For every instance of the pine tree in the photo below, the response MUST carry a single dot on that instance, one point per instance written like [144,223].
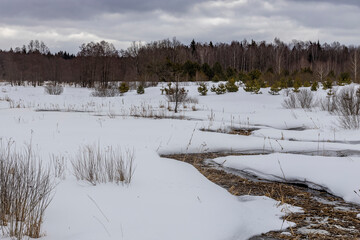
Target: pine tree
[140,89]
[257,87]
[328,83]
[231,86]
[221,89]
[314,86]
[202,89]
[275,88]
[249,86]
[297,85]
[124,87]
[344,78]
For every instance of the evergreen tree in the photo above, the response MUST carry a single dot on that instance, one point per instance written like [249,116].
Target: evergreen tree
[140,89]
[314,86]
[275,88]
[297,85]
[290,83]
[257,87]
[193,46]
[216,78]
[328,83]
[249,86]
[254,74]
[190,69]
[221,89]
[344,78]
[202,89]
[207,70]
[243,77]
[231,86]
[231,73]
[124,87]
[218,71]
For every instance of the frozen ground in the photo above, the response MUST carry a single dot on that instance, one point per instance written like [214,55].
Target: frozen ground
[169,199]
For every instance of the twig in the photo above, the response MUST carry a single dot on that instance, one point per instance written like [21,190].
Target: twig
[97,206]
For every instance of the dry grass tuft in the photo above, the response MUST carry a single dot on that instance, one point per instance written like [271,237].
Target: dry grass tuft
[25,192]
[96,165]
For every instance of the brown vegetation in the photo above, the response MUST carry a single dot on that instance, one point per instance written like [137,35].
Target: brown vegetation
[333,215]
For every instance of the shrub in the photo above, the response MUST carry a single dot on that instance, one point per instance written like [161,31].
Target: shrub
[25,192]
[96,165]
[175,94]
[290,102]
[101,91]
[202,89]
[53,89]
[140,89]
[193,100]
[348,107]
[213,88]
[304,99]
[328,104]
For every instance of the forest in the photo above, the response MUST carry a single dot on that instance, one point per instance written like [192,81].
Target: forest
[256,63]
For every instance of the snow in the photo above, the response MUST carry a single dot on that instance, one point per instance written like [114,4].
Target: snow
[337,175]
[169,199]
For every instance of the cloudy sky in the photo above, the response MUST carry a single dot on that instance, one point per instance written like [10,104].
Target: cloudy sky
[65,24]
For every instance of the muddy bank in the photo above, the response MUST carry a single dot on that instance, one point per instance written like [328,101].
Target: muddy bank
[324,217]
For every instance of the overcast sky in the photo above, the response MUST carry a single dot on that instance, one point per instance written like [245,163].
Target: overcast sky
[65,24]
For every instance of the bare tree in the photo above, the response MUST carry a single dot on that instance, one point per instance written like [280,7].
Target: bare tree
[354,64]
[279,49]
[321,71]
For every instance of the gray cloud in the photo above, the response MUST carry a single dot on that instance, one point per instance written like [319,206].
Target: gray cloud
[85,9]
[66,24]
[336,2]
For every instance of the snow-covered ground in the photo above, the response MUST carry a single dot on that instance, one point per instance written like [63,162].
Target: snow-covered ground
[169,199]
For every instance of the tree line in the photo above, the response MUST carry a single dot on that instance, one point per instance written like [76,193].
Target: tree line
[171,60]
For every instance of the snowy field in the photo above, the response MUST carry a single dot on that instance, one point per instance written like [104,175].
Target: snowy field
[168,199]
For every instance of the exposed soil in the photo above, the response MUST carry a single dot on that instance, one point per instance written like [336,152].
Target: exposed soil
[324,216]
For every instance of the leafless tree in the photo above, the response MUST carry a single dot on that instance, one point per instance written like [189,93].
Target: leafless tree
[321,70]
[354,64]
